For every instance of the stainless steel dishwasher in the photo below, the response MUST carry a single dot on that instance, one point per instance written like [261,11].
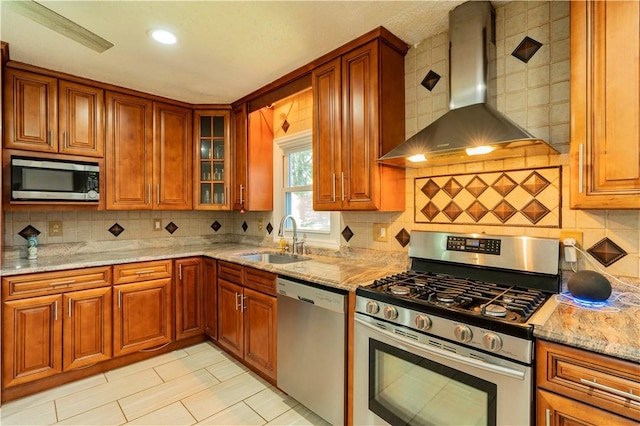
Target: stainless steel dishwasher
[311,347]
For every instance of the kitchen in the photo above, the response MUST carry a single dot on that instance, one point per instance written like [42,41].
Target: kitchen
[535,95]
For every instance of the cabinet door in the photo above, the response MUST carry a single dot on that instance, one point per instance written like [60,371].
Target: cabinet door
[557,410]
[327,134]
[86,327]
[32,339]
[209,274]
[189,298]
[605,105]
[81,126]
[30,111]
[360,128]
[230,327]
[172,158]
[142,315]
[240,121]
[128,152]
[260,328]
[211,160]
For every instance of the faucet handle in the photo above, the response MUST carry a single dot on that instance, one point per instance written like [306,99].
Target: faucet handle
[300,248]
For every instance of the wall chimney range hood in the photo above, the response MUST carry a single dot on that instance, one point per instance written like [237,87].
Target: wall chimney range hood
[472,130]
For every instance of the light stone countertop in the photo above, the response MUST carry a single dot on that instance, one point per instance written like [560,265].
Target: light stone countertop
[343,273]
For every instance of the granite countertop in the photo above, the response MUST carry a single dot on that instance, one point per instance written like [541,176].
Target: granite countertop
[338,272]
[612,330]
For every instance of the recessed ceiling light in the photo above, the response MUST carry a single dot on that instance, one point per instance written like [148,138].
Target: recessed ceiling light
[163,36]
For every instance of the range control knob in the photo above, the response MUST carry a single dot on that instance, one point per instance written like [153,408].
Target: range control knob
[423,322]
[463,333]
[372,307]
[492,342]
[390,313]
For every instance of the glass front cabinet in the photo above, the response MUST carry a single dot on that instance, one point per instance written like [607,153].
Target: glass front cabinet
[212,159]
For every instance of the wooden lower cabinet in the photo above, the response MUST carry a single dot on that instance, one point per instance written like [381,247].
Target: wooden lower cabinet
[558,410]
[230,323]
[189,297]
[32,339]
[141,315]
[259,318]
[210,288]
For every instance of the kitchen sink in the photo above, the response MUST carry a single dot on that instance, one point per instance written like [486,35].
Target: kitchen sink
[276,258]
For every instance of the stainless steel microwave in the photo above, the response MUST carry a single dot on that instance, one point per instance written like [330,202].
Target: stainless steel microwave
[38,179]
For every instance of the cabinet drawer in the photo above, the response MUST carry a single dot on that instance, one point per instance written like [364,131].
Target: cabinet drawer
[141,271]
[258,280]
[230,271]
[605,382]
[21,286]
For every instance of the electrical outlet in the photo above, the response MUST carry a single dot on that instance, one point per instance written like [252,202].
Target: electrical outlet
[157,224]
[381,232]
[55,228]
[576,235]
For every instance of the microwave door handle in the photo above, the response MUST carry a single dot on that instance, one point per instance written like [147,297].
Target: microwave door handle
[505,371]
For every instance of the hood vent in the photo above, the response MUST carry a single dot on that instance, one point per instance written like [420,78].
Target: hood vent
[471,127]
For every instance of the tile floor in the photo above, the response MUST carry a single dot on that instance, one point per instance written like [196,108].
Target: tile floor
[195,385]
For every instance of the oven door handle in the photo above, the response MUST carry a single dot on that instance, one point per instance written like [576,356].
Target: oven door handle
[402,341]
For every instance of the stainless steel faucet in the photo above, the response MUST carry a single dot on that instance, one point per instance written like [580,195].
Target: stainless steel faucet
[295,231]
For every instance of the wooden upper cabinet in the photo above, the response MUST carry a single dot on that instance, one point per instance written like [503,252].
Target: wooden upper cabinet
[253,159]
[81,126]
[358,117]
[129,149]
[212,159]
[605,105]
[172,158]
[45,114]
[30,111]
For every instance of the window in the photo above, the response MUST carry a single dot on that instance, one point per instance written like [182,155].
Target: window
[294,177]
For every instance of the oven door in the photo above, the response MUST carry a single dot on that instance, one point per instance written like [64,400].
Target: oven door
[401,377]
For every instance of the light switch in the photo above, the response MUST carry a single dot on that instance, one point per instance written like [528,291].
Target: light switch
[157,224]
[380,231]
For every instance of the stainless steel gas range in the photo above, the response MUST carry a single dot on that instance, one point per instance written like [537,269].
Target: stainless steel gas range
[450,341]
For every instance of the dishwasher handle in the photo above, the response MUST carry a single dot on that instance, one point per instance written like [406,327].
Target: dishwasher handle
[304,299]
[312,295]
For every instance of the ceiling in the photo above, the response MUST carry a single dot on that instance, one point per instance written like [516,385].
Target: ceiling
[225,49]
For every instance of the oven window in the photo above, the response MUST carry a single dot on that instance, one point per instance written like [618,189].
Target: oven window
[406,389]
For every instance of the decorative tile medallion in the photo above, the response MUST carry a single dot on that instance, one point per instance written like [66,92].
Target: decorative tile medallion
[244,226]
[347,233]
[606,252]
[116,229]
[269,228]
[285,126]
[29,231]
[216,226]
[430,80]
[526,197]
[403,237]
[171,227]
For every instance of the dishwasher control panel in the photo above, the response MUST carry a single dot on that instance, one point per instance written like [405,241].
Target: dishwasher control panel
[326,299]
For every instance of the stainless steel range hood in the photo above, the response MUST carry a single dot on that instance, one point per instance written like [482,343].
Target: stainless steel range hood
[471,123]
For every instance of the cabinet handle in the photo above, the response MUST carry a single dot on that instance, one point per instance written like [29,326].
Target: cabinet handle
[64,139]
[69,307]
[580,165]
[225,194]
[241,195]
[63,283]
[242,305]
[334,188]
[180,271]
[119,299]
[547,417]
[149,193]
[50,137]
[236,301]
[55,310]
[158,193]
[605,388]
[342,186]
[150,271]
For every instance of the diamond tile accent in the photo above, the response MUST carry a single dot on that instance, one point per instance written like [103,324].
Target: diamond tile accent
[216,226]
[269,228]
[503,211]
[285,126]
[29,231]
[171,227]
[606,252]
[430,210]
[116,229]
[534,184]
[534,211]
[244,226]
[430,189]
[452,211]
[504,185]
[430,80]
[452,187]
[403,237]
[526,49]
[476,187]
[477,210]
[347,233]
